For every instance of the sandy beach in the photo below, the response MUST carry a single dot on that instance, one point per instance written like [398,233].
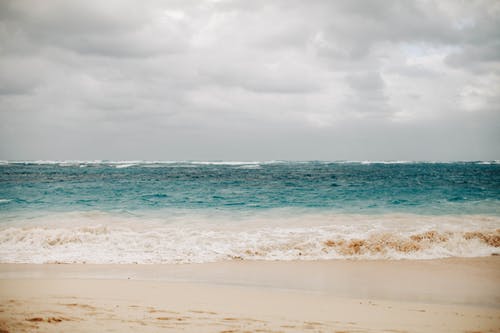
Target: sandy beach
[447,295]
[232,166]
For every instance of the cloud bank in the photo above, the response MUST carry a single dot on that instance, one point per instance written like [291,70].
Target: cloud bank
[250,80]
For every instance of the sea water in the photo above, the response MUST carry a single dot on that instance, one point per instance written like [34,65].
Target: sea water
[181,212]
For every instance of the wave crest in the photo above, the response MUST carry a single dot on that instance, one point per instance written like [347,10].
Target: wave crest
[386,242]
[171,244]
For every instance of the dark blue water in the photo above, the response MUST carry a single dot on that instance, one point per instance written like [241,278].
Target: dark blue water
[371,188]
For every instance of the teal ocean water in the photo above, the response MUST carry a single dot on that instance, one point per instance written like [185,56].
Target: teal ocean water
[164,212]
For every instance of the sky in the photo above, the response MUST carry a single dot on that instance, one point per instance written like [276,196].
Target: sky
[250,80]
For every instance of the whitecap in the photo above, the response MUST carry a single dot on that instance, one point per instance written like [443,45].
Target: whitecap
[97,237]
[224,163]
[122,166]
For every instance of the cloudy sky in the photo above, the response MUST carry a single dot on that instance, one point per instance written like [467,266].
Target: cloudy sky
[250,80]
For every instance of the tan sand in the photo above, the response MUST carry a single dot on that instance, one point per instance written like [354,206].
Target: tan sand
[452,295]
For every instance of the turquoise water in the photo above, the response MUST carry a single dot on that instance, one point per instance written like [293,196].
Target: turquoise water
[422,188]
[183,212]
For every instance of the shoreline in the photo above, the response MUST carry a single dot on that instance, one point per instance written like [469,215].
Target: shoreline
[441,295]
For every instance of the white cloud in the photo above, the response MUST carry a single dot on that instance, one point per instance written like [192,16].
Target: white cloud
[278,79]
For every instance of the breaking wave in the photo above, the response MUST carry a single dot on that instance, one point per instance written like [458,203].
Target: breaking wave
[100,238]
[147,163]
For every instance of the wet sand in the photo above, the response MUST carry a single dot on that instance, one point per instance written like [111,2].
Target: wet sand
[449,295]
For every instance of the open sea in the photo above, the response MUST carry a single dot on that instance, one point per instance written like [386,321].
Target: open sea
[183,212]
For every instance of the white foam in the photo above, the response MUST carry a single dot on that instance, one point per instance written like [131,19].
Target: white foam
[229,163]
[383,162]
[122,166]
[96,237]
[489,162]
[224,163]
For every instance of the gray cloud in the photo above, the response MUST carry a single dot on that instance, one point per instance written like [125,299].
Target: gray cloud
[368,81]
[249,80]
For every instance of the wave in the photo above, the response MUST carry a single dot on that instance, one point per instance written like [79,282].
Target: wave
[227,163]
[495,162]
[102,238]
[223,162]
[387,162]
[126,163]
[121,166]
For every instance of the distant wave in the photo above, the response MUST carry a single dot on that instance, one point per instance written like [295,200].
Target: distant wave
[223,162]
[488,162]
[387,162]
[101,238]
[131,162]
[121,166]
[125,163]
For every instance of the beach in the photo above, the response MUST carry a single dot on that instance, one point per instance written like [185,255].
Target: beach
[441,295]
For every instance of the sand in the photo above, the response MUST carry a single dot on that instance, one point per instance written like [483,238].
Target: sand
[448,295]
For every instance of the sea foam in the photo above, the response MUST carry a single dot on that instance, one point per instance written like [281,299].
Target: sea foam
[104,238]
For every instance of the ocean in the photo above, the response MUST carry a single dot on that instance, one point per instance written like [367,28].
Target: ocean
[191,212]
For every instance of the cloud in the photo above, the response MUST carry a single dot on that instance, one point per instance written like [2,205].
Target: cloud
[97,28]
[278,79]
[18,77]
[483,59]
